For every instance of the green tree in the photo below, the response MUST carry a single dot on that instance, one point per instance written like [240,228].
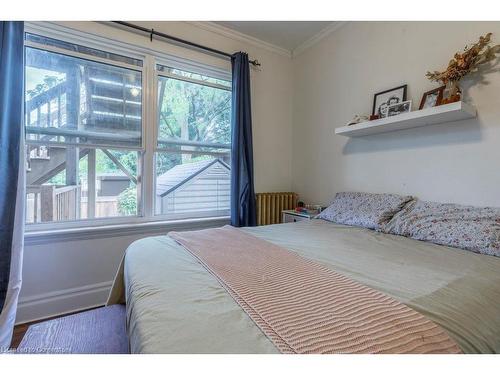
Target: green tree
[48,82]
[194,112]
[127,158]
[127,201]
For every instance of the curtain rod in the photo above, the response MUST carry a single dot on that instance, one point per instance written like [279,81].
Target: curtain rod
[152,32]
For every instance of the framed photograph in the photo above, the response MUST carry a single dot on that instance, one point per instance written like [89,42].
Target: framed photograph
[432,98]
[382,100]
[399,108]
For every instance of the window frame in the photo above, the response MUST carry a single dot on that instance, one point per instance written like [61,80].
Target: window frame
[147,162]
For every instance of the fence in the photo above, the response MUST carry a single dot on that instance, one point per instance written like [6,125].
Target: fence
[46,203]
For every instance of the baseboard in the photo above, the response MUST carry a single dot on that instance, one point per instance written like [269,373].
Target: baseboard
[60,302]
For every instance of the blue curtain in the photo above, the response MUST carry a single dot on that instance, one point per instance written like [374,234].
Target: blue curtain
[11,120]
[243,210]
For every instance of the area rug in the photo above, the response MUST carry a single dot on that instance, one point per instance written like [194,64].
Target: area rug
[98,331]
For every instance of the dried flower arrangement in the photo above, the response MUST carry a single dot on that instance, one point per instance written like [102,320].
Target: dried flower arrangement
[463,64]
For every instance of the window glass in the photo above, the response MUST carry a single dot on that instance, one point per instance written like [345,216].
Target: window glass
[72,100]
[193,114]
[83,124]
[195,76]
[192,185]
[194,143]
[71,183]
[81,49]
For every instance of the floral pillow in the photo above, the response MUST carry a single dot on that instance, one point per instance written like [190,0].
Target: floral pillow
[471,228]
[366,210]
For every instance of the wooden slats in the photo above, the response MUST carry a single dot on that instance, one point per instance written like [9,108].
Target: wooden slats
[271,205]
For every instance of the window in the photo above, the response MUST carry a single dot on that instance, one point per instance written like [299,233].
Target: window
[83,132]
[193,145]
[85,142]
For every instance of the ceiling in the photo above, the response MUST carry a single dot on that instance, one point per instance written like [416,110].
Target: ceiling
[285,34]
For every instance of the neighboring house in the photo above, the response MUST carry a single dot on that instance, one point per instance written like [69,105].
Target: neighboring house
[192,187]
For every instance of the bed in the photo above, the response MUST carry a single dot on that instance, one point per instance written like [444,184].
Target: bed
[174,305]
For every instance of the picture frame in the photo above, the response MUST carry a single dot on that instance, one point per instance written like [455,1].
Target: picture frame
[383,99]
[432,98]
[399,108]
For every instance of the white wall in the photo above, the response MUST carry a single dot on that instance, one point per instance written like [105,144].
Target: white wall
[70,273]
[336,79]
[65,273]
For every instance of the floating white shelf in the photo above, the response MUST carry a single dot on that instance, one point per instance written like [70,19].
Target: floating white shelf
[429,116]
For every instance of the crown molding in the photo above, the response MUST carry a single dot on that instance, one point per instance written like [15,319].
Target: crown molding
[318,37]
[236,35]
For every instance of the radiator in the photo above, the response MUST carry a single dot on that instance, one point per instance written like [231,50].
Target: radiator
[270,206]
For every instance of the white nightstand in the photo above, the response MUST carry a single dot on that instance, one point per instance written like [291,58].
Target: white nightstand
[292,216]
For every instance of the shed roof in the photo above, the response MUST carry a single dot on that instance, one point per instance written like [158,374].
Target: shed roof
[182,173]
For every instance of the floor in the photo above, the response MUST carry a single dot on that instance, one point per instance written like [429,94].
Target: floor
[20,329]
[19,332]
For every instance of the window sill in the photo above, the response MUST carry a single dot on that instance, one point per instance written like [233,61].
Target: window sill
[115,230]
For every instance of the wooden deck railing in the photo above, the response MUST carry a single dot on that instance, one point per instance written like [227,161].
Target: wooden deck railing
[52,203]
[53,114]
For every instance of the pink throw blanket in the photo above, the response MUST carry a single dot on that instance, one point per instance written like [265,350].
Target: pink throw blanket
[304,307]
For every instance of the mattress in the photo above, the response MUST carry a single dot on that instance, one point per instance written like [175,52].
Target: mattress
[175,306]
